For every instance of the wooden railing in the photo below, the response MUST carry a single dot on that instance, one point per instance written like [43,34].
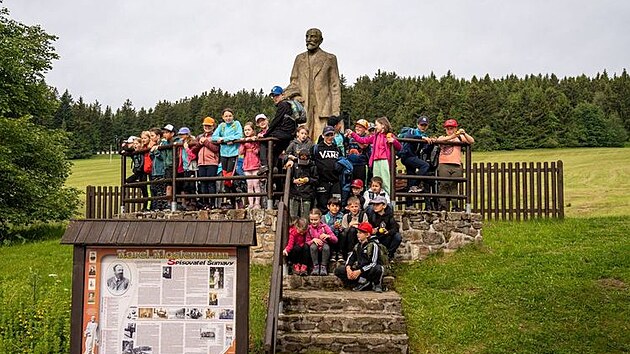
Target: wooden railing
[506,191]
[518,191]
[275,289]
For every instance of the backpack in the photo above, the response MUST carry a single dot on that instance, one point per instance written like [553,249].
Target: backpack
[344,167]
[383,253]
[431,154]
[299,113]
[407,147]
[348,217]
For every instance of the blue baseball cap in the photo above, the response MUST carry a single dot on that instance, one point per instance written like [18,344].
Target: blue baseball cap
[276,90]
[183,130]
[423,120]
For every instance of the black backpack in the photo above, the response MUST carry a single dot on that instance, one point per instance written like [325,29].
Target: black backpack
[431,154]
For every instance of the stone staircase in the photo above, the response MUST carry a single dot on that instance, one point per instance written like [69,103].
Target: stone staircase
[319,316]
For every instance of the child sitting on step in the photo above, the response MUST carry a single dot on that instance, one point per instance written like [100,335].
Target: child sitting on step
[362,269]
[348,235]
[319,237]
[333,219]
[297,249]
[376,190]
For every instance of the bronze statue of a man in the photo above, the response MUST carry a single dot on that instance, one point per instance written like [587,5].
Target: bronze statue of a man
[315,82]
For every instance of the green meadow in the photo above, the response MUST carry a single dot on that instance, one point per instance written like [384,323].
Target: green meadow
[550,286]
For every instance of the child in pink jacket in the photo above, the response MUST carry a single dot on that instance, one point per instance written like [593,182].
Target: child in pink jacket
[297,249]
[318,237]
[382,142]
[251,163]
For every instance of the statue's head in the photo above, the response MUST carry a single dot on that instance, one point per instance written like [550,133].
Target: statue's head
[313,39]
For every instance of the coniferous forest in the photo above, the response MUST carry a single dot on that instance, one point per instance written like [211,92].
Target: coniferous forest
[505,113]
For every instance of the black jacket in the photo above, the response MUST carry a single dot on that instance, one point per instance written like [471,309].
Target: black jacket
[364,256]
[305,191]
[386,221]
[282,126]
[325,158]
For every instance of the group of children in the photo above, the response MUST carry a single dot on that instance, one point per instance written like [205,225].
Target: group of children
[229,148]
[212,153]
[336,236]
[328,225]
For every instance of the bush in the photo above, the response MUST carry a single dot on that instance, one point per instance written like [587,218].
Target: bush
[33,171]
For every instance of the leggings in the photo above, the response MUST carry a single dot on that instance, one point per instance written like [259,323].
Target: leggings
[253,186]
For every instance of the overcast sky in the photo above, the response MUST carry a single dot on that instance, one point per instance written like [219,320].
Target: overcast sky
[152,50]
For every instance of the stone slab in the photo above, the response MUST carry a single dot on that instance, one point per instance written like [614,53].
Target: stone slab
[343,343]
[372,322]
[347,301]
[327,282]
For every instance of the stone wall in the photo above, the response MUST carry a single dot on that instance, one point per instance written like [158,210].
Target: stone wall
[423,232]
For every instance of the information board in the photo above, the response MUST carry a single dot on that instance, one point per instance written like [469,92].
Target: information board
[159,300]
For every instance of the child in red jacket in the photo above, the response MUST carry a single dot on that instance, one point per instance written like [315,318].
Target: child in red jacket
[297,249]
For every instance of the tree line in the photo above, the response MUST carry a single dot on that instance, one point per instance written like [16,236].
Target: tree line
[508,113]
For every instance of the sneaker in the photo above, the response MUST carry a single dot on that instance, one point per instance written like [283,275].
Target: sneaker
[362,286]
[377,288]
[303,270]
[296,269]
[315,270]
[263,170]
[415,189]
[323,270]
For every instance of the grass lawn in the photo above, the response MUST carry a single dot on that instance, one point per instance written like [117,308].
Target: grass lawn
[100,170]
[532,287]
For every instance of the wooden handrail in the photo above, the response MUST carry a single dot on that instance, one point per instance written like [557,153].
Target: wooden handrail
[275,289]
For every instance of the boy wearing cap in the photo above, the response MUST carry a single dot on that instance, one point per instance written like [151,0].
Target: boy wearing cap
[381,217]
[410,153]
[325,155]
[362,269]
[282,127]
[357,191]
[339,139]
[451,159]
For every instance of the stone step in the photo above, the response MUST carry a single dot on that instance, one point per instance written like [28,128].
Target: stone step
[318,301]
[326,282]
[342,323]
[359,342]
